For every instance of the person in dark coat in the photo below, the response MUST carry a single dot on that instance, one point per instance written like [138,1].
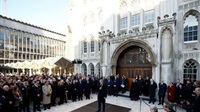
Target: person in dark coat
[123,84]
[80,90]
[102,94]
[140,84]
[152,91]
[7,100]
[93,84]
[1,93]
[110,86]
[68,89]
[162,91]
[26,94]
[36,96]
[177,90]
[180,92]
[116,86]
[53,94]
[146,86]
[188,89]
[134,90]
[74,88]
[87,88]
[196,105]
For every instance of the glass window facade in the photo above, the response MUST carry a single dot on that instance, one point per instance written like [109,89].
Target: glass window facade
[18,46]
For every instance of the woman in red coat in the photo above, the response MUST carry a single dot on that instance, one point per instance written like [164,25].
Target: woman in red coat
[171,92]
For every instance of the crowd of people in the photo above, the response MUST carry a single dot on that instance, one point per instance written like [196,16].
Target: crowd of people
[18,92]
[184,95]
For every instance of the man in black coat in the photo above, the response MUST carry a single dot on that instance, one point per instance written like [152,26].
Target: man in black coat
[146,86]
[196,106]
[36,96]
[1,93]
[116,84]
[26,93]
[7,100]
[162,91]
[102,94]
[152,91]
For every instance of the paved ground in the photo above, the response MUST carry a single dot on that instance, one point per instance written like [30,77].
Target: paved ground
[121,101]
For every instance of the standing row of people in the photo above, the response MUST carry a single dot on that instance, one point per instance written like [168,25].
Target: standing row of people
[180,93]
[18,92]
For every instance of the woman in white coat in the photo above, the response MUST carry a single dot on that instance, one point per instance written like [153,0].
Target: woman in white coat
[46,89]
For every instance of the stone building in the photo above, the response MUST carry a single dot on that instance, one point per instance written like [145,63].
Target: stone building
[154,38]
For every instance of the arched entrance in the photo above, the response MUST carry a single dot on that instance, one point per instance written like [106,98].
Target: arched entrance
[133,57]
[132,62]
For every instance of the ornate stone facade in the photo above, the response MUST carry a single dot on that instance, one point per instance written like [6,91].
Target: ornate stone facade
[162,28]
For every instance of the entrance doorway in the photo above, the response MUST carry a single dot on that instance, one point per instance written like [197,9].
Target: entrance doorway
[132,62]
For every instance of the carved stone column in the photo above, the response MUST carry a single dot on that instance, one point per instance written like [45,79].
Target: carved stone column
[167,26]
[105,52]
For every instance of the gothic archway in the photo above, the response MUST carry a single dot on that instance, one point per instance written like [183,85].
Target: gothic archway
[133,57]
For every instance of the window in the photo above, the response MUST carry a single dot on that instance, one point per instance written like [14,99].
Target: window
[149,16]
[92,68]
[98,69]
[190,70]
[135,20]
[190,28]
[1,41]
[84,69]
[99,46]
[92,46]
[123,23]
[1,36]
[84,47]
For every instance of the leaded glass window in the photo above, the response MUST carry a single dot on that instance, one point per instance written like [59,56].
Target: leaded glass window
[190,28]
[190,70]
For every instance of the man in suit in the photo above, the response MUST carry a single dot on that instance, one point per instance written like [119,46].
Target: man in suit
[152,91]
[162,91]
[102,94]
[196,106]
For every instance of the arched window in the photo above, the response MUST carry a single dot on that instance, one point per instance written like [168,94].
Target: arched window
[91,68]
[191,27]
[98,69]
[84,47]
[84,69]
[190,70]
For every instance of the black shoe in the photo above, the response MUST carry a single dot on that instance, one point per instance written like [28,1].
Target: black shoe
[149,102]
[159,103]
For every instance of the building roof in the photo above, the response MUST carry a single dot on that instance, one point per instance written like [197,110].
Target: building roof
[31,25]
